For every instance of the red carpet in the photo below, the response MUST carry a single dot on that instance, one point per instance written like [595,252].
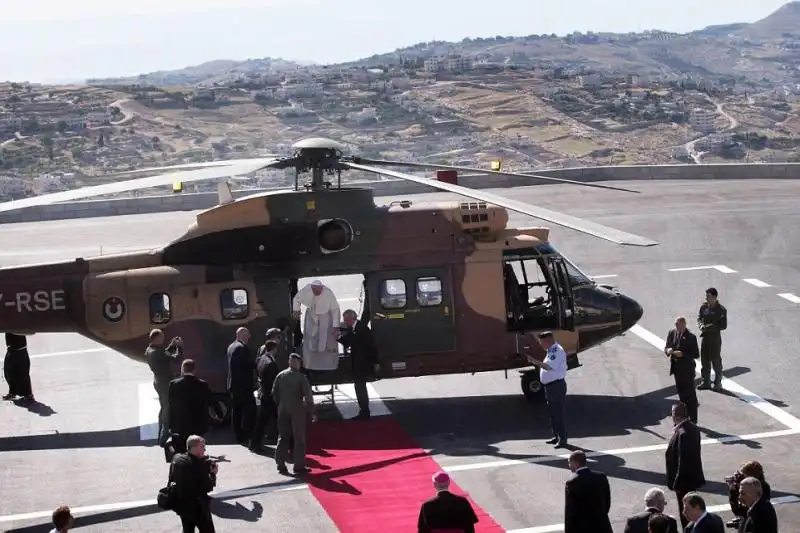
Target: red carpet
[371,476]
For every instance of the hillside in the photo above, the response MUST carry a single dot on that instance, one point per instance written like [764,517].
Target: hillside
[783,22]
[532,102]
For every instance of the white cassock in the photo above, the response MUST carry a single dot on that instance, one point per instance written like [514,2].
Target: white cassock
[320,347]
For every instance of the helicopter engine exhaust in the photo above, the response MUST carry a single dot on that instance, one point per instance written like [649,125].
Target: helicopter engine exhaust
[334,235]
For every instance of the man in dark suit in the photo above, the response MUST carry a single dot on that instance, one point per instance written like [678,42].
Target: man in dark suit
[363,356]
[267,366]
[694,509]
[761,517]
[684,458]
[682,350]
[190,398]
[588,498]
[242,386]
[654,504]
[446,511]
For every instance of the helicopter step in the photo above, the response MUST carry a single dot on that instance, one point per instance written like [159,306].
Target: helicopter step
[532,387]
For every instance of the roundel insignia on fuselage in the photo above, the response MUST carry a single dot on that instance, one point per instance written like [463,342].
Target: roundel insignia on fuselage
[113,309]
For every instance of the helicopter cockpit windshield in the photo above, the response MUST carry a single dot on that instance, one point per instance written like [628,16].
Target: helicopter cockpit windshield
[538,288]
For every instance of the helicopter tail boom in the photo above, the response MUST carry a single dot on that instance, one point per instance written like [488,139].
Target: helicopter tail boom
[40,302]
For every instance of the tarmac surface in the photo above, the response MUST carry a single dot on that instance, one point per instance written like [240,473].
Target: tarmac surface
[88,440]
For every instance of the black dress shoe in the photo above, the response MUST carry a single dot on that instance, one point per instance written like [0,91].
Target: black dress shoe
[9,396]
[361,416]
[734,524]
[283,470]
[552,441]
[301,470]
[561,444]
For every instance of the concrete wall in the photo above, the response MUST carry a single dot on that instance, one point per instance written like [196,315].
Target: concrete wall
[194,201]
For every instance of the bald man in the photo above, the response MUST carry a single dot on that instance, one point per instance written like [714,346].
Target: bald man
[241,386]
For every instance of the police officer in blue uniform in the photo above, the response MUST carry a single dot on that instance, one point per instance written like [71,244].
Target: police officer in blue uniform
[712,320]
[553,374]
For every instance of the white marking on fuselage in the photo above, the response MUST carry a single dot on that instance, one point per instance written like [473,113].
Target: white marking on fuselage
[756,283]
[725,507]
[773,411]
[719,268]
[789,297]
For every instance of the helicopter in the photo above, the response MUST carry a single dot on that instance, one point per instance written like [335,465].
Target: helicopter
[434,274]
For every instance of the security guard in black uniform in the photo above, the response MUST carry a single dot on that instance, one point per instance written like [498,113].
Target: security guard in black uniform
[712,320]
[681,348]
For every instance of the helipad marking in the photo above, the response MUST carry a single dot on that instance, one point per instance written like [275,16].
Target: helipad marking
[148,412]
[719,268]
[553,528]
[742,393]
[788,296]
[70,352]
[110,507]
[288,487]
[731,439]
[346,403]
[756,283]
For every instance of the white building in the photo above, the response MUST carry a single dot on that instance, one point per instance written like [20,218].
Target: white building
[591,81]
[433,64]
[366,113]
[297,90]
[11,186]
[702,120]
[10,123]
[458,64]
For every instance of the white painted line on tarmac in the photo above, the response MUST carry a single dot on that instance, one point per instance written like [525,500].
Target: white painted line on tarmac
[773,411]
[731,439]
[347,404]
[719,268]
[148,412]
[70,352]
[604,276]
[242,493]
[788,296]
[553,528]
[756,283]
[111,507]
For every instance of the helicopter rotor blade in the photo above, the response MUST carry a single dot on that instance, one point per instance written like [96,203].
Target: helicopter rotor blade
[196,166]
[140,183]
[431,166]
[561,219]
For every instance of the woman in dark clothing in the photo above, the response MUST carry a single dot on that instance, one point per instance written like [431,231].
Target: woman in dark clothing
[748,469]
[17,368]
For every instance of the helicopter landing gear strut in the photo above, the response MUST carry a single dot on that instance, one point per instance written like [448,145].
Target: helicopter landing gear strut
[532,388]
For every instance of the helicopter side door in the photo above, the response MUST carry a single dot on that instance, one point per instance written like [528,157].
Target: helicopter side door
[565,300]
[412,311]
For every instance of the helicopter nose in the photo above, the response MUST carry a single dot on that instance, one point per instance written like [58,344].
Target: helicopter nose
[630,311]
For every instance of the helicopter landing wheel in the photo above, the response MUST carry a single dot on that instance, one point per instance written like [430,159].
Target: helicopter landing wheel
[532,388]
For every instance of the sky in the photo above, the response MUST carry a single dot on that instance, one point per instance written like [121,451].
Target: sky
[52,41]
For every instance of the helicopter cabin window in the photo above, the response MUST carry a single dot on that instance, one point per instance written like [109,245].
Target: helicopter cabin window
[528,287]
[576,277]
[234,304]
[160,309]
[429,291]
[393,294]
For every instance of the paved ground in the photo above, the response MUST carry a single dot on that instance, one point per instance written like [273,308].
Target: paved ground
[87,443]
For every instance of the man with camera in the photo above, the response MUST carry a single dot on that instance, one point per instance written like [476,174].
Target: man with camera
[681,349]
[161,360]
[748,469]
[194,475]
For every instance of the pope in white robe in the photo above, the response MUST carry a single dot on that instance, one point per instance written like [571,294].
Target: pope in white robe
[322,317]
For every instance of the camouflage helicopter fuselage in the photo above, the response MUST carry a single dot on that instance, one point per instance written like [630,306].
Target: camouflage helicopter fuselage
[235,267]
